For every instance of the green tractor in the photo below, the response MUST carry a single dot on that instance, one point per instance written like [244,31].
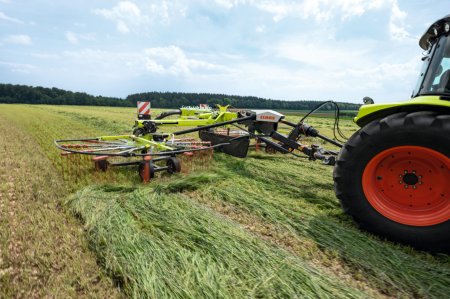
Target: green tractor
[393,175]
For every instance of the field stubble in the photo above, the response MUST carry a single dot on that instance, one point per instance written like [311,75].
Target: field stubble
[43,251]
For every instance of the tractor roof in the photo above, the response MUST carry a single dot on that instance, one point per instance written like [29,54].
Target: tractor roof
[430,35]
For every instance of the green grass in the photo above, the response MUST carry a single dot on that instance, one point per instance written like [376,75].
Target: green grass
[43,253]
[299,199]
[166,246]
[268,226]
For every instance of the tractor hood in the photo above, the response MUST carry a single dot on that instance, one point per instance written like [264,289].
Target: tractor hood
[370,112]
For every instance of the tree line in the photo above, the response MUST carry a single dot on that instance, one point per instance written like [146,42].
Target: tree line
[54,96]
[10,93]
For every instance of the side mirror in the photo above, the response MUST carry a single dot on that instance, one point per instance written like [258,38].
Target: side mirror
[368,101]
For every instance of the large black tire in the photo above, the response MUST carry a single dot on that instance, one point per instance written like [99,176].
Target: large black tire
[424,131]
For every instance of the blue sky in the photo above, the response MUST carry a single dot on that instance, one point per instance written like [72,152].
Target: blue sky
[289,50]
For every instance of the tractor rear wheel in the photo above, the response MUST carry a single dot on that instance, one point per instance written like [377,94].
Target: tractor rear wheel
[393,178]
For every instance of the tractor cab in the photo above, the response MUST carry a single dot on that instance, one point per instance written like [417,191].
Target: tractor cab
[432,91]
[435,75]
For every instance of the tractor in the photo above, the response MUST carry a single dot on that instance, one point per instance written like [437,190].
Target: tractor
[393,175]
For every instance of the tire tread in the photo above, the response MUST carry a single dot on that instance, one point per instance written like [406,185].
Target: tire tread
[433,238]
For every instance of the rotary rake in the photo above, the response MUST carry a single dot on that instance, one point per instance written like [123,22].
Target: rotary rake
[127,150]
[221,129]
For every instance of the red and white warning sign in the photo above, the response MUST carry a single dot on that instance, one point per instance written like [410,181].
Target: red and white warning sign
[143,108]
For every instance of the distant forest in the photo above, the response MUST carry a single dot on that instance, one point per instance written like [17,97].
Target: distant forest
[54,96]
[40,95]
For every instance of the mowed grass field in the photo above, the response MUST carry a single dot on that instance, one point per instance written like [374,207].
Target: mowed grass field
[268,226]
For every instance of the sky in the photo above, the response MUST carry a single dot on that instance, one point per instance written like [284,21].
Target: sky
[285,50]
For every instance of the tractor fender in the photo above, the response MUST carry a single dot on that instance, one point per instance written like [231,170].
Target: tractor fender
[370,112]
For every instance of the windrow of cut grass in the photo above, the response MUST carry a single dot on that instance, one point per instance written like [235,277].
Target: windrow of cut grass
[166,246]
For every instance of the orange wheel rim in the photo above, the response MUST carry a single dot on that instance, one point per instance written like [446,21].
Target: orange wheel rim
[409,185]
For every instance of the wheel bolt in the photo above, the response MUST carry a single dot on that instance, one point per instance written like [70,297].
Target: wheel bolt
[413,171]
[400,182]
[420,176]
[414,187]
[420,183]
[406,186]
[406,171]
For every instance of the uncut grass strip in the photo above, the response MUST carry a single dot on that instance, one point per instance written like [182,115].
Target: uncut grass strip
[165,246]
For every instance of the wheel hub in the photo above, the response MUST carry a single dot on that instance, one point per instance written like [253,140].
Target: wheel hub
[410,178]
[409,185]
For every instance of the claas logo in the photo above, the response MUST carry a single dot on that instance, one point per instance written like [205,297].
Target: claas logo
[268,117]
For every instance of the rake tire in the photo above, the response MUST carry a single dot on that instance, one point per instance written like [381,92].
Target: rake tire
[151,170]
[173,165]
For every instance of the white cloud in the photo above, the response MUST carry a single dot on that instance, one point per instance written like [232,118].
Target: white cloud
[122,27]
[105,64]
[285,49]
[327,55]
[397,27]
[18,67]
[172,60]
[45,56]
[353,82]
[92,55]
[129,16]
[279,10]
[124,14]
[20,39]
[5,17]
[230,3]
[74,38]
[71,37]
[319,10]
[386,71]
[260,28]
[311,68]
[326,10]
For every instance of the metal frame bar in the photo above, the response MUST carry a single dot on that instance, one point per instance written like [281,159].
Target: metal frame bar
[128,154]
